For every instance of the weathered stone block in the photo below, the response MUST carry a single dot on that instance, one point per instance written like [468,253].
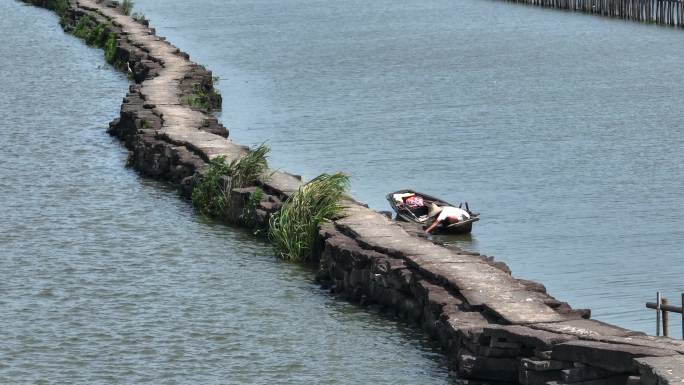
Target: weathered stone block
[531,377]
[486,368]
[543,365]
[617,380]
[661,370]
[502,344]
[542,354]
[488,351]
[438,300]
[613,357]
[538,339]
[584,373]
[584,329]
[400,278]
[484,382]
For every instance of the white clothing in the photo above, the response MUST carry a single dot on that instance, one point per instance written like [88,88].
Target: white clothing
[453,212]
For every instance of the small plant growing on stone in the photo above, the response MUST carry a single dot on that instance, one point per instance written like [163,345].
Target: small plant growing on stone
[146,125]
[97,36]
[212,195]
[202,99]
[110,48]
[246,170]
[82,28]
[294,228]
[209,195]
[139,17]
[249,212]
[127,7]
[59,6]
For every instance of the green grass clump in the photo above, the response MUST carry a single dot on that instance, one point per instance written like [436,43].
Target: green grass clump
[110,48]
[249,211]
[127,7]
[294,228]
[82,28]
[59,6]
[97,36]
[209,196]
[202,99]
[212,195]
[246,170]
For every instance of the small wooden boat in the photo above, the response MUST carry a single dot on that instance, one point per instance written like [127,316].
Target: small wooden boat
[413,206]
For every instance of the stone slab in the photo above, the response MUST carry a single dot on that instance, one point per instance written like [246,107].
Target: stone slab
[584,373]
[486,368]
[598,331]
[543,365]
[283,182]
[465,319]
[616,380]
[618,358]
[584,329]
[531,377]
[648,341]
[538,339]
[661,370]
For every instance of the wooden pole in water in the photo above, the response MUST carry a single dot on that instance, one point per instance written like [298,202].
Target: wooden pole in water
[666,319]
[683,316]
[658,299]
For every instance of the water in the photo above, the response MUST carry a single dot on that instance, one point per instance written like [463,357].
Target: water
[562,129]
[106,277]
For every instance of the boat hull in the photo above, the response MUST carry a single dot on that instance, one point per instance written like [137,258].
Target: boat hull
[419,215]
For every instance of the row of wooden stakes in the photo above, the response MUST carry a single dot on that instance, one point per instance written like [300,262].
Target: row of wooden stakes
[663,12]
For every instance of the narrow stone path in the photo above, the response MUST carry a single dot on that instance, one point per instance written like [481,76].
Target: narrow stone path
[180,123]
[481,284]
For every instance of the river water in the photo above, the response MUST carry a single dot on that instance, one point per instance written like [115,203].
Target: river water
[106,277]
[562,129]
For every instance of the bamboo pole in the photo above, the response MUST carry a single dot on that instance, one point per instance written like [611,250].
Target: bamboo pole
[658,303]
[666,319]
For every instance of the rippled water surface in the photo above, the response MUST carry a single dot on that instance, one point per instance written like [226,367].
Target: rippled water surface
[563,130]
[109,278]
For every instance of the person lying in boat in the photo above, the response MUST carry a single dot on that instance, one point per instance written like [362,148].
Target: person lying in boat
[446,216]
